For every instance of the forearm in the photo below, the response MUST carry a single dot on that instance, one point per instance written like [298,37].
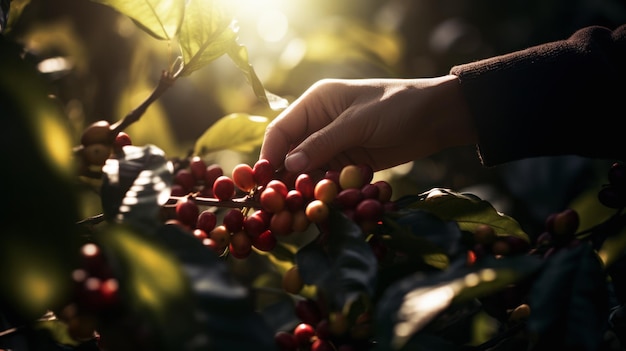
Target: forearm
[564,97]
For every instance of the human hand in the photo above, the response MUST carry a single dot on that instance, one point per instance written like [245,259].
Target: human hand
[379,122]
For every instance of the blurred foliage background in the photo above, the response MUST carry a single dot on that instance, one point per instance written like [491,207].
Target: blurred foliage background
[103,66]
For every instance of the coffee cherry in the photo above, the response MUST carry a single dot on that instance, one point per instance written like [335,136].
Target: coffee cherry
[349,198]
[212,172]
[367,172]
[325,190]
[281,222]
[96,154]
[611,197]
[566,222]
[256,223]
[187,212]
[292,282]
[305,185]
[221,235]
[272,200]
[263,172]
[265,241]
[351,177]
[332,175]
[520,312]
[385,191]
[197,168]
[243,177]
[279,186]
[185,179]
[200,234]
[240,245]
[206,220]
[484,234]
[300,222]
[370,191]
[121,139]
[317,211]
[294,201]
[233,220]
[304,333]
[223,188]
[369,210]
[322,345]
[98,132]
[178,190]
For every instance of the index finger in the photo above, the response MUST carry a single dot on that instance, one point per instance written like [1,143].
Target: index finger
[303,117]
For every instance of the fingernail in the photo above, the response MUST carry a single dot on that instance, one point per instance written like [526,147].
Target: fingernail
[296,162]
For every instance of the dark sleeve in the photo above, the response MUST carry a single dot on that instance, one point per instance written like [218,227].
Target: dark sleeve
[563,97]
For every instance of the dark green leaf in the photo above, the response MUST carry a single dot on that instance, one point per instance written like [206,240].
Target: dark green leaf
[154,286]
[467,210]
[412,303]
[10,12]
[418,232]
[224,306]
[569,300]
[343,267]
[39,241]
[159,18]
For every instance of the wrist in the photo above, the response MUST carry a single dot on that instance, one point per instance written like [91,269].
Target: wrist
[458,127]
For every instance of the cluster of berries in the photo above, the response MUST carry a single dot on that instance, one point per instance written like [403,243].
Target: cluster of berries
[264,207]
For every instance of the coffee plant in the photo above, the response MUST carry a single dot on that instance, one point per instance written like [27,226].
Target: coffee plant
[186,256]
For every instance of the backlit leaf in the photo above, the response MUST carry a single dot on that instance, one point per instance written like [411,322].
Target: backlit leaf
[412,303]
[237,131]
[159,18]
[208,32]
[468,211]
[239,55]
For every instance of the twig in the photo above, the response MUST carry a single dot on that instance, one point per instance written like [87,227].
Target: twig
[166,81]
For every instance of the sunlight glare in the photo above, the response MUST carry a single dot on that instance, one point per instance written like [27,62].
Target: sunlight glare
[271,21]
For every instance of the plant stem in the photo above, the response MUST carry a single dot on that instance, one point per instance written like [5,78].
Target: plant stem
[166,81]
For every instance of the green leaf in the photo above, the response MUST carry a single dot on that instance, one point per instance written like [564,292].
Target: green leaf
[239,55]
[208,32]
[159,18]
[468,211]
[225,308]
[570,301]
[39,240]
[153,286]
[342,266]
[613,248]
[412,303]
[237,131]
[10,15]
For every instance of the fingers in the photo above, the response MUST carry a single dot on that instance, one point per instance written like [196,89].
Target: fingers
[305,116]
[322,146]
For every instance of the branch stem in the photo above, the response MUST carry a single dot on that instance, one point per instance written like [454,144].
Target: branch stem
[166,81]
